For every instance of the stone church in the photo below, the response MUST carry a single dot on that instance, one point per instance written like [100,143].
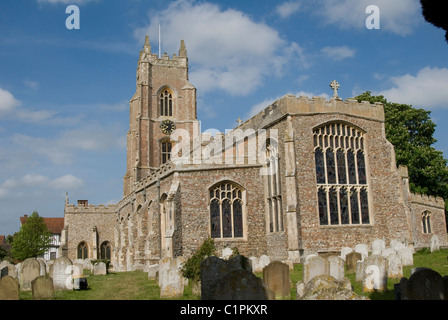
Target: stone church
[305,175]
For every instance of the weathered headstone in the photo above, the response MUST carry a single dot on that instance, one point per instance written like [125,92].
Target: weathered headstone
[171,281]
[374,273]
[325,287]
[378,245]
[43,288]
[424,284]
[396,244]
[387,252]
[336,267]
[407,256]
[435,243]
[239,285]
[394,267]
[313,267]
[99,268]
[363,249]
[43,266]
[259,263]
[276,278]
[80,282]
[61,272]
[226,253]
[30,270]
[9,288]
[214,268]
[345,251]
[351,260]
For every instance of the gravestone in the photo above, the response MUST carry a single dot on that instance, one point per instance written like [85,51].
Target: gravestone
[378,245]
[394,267]
[336,267]
[259,263]
[387,252]
[80,282]
[43,288]
[276,278]
[29,270]
[374,273]
[424,284]
[239,285]
[4,272]
[214,268]
[9,288]
[351,260]
[61,272]
[314,267]
[363,249]
[325,287]
[99,268]
[171,281]
[226,253]
[435,243]
[407,256]
[345,251]
[396,244]
[43,266]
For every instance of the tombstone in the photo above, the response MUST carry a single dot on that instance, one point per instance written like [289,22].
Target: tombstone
[325,287]
[171,281]
[259,263]
[374,273]
[29,270]
[351,260]
[378,245]
[80,282]
[336,267]
[407,256]
[43,266]
[363,249]
[9,288]
[394,267]
[276,278]
[239,285]
[345,251]
[153,271]
[227,253]
[43,288]
[435,243]
[387,252]
[99,268]
[396,244]
[424,284]
[313,267]
[214,268]
[61,272]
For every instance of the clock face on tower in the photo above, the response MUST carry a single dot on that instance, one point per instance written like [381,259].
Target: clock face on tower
[167,126]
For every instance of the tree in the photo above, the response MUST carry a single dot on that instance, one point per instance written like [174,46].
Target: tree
[32,240]
[411,132]
[434,12]
[191,269]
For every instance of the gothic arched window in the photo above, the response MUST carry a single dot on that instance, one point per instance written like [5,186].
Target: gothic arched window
[83,251]
[105,250]
[274,195]
[166,147]
[340,163]
[426,222]
[166,103]
[226,211]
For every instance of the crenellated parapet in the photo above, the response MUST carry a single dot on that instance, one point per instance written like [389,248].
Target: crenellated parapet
[427,200]
[89,208]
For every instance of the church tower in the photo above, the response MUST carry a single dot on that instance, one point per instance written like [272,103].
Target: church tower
[164,101]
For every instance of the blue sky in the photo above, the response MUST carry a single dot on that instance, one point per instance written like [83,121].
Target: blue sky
[64,93]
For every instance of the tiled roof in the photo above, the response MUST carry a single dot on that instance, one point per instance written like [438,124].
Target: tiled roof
[54,225]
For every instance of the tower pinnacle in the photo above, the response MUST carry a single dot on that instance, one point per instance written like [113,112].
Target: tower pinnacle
[183,49]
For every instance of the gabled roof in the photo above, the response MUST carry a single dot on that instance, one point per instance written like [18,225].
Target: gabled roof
[54,225]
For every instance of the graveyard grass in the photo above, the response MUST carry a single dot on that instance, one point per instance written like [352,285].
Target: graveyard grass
[136,286]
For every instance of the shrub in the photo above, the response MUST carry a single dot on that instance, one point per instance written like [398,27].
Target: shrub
[191,269]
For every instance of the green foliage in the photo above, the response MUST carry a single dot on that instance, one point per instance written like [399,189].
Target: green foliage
[191,269]
[32,240]
[411,132]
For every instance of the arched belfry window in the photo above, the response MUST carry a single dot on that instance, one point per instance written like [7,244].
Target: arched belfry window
[166,147]
[226,211]
[166,103]
[341,178]
[83,251]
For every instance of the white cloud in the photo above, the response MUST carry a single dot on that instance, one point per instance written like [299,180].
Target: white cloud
[29,180]
[398,16]
[65,1]
[288,8]
[31,84]
[227,49]
[7,101]
[338,53]
[66,182]
[428,88]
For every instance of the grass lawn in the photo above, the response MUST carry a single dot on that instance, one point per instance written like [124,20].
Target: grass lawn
[136,286]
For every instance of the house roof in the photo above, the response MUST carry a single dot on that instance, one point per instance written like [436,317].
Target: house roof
[2,239]
[54,225]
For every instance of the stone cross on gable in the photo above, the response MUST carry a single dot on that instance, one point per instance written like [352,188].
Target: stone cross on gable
[239,121]
[335,86]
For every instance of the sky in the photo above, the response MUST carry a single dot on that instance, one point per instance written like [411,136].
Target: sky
[66,77]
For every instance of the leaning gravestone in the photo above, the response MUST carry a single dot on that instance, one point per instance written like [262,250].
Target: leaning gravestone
[62,270]
[239,285]
[30,270]
[43,288]
[424,284]
[214,268]
[276,277]
[336,267]
[9,288]
[351,260]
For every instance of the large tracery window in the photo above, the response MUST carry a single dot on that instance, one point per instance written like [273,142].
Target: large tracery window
[83,251]
[226,211]
[342,189]
[166,103]
[274,196]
